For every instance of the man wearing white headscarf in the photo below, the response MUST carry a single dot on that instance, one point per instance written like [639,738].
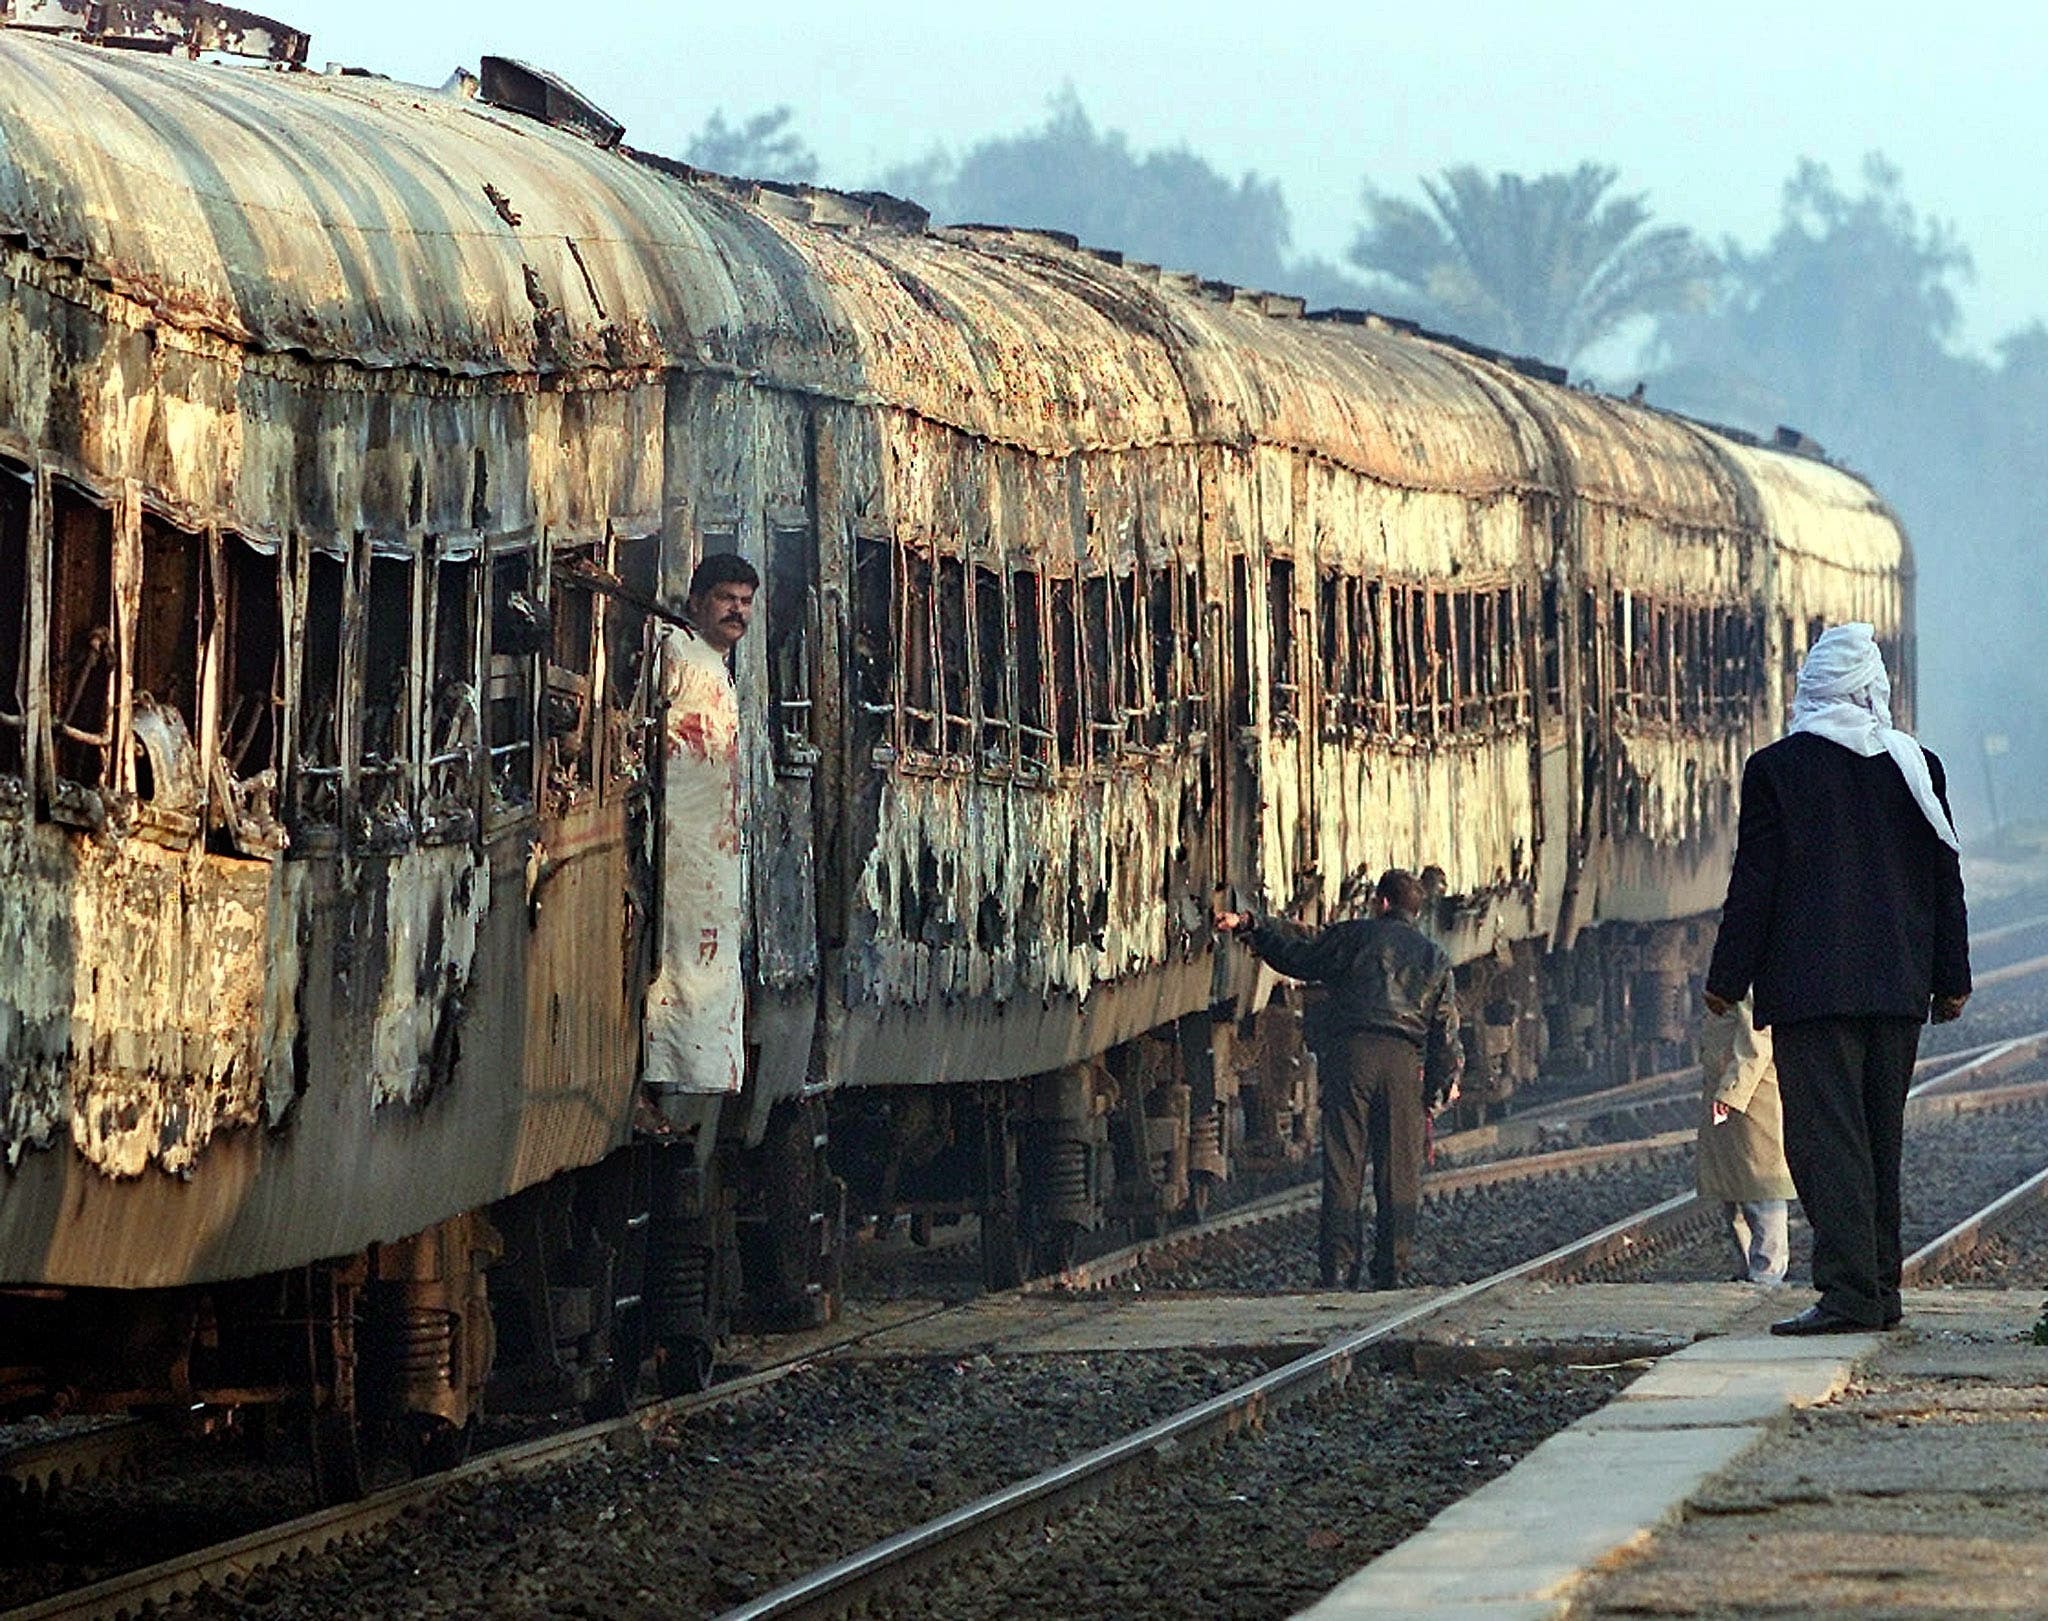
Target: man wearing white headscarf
[1845,919]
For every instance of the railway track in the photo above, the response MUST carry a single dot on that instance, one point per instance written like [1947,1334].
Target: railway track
[867,1577]
[1963,1081]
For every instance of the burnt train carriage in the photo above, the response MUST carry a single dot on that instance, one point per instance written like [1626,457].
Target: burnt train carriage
[346,429]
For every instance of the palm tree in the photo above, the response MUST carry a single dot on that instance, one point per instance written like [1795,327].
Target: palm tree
[1548,266]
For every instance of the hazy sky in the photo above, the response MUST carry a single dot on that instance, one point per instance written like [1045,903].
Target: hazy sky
[1705,108]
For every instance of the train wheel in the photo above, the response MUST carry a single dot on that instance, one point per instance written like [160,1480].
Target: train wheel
[1053,1250]
[432,1444]
[334,1431]
[1005,1238]
[1005,1250]
[682,1366]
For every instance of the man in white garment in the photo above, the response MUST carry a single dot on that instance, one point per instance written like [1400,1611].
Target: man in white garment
[1845,918]
[696,1005]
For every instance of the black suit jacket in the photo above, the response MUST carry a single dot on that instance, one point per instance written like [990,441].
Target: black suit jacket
[1843,901]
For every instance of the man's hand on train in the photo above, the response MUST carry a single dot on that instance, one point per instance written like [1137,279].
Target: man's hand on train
[1946,1009]
[1717,1005]
[1230,922]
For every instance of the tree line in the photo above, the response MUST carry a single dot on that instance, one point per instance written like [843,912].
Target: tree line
[1845,324]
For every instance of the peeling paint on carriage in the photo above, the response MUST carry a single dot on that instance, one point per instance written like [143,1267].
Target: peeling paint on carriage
[135,1045]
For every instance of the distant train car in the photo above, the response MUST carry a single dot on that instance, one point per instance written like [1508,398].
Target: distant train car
[357,808]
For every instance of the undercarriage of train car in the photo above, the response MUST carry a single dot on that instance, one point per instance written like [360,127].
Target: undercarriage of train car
[572,1294]
[1140,1137]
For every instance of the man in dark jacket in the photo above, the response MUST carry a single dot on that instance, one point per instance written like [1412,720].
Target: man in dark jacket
[1387,1054]
[1845,914]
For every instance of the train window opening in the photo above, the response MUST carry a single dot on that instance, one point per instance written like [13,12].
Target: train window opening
[1105,725]
[1697,687]
[316,774]
[1241,708]
[1330,637]
[572,652]
[1510,679]
[1163,639]
[1401,653]
[1646,685]
[1066,671]
[991,669]
[1664,671]
[874,630]
[1358,656]
[1720,638]
[1621,625]
[636,564]
[1195,670]
[252,663]
[790,612]
[1474,653]
[1132,699]
[1284,674]
[1377,692]
[17,508]
[1552,633]
[455,722]
[518,632]
[383,761]
[82,641]
[168,617]
[954,670]
[251,706]
[1036,745]
[920,696]
[1439,639]
[1589,653]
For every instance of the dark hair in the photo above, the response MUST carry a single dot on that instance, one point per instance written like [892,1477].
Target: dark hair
[1401,891]
[723,568]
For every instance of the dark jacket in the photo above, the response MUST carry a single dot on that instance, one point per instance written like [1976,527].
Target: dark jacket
[1844,902]
[1385,977]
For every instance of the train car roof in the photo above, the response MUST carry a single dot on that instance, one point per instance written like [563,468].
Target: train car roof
[354,219]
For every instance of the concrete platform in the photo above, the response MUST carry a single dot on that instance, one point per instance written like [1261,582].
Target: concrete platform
[1857,1475]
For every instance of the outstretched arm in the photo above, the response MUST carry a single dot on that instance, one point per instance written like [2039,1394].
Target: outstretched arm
[1298,952]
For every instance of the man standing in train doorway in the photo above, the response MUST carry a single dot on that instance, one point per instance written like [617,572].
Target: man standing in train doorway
[1388,1057]
[695,1031]
[1845,914]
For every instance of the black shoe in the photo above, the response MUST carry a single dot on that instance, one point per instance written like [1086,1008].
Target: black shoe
[1819,1320]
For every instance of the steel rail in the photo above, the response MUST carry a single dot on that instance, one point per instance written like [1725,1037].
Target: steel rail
[1968,1233]
[171,1579]
[63,1460]
[846,1582]
[2005,931]
[2011,971]
[127,1594]
[1086,1276]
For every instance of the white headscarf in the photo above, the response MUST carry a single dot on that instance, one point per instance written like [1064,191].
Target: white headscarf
[1845,696]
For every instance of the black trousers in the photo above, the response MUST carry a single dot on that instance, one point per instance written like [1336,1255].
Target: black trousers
[1844,1084]
[1372,1105]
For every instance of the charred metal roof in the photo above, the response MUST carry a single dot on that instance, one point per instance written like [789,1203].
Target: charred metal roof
[383,225]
